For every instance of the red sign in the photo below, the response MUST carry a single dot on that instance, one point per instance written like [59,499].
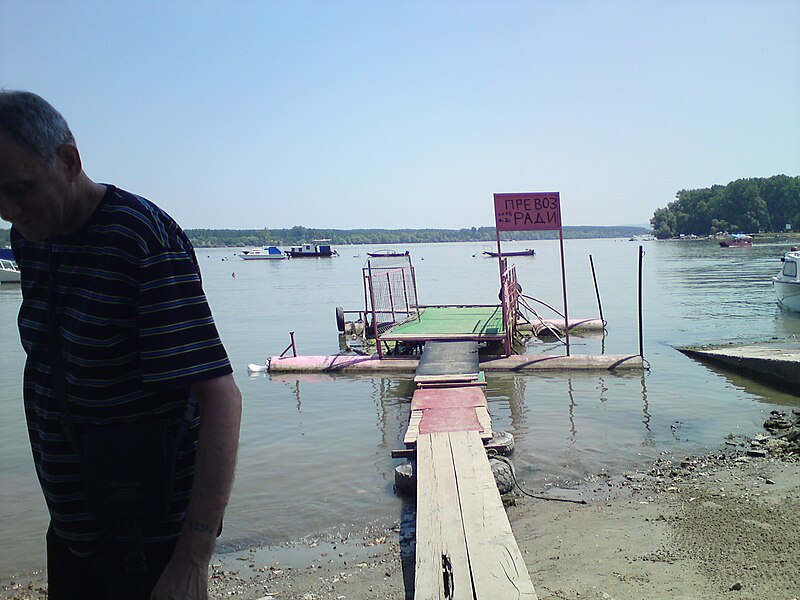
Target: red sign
[527,212]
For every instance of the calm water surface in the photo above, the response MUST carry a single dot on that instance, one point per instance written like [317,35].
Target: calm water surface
[315,450]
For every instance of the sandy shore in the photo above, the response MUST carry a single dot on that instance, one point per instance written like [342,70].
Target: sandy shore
[725,525]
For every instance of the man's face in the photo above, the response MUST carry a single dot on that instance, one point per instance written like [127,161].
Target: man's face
[34,196]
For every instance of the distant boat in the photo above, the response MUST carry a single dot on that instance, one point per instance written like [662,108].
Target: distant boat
[787,283]
[737,240]
[386,253]
[317,248]
[9,272]
[526,252]
[266,253]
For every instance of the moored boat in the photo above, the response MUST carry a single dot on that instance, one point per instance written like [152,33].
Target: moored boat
[265,253]
[9,272]
[787,283]
[526,252]
[316,248]
[737,240]
[386,253]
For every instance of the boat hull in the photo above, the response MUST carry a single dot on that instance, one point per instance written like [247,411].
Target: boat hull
[264,257]
[9,276]
[308,254]
[387,254]
[514,253]
[787,293]
[266,253]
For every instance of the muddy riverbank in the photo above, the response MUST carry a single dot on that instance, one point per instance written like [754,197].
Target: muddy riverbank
[721,525]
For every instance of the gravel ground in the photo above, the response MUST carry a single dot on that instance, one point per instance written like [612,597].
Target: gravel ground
[723,525]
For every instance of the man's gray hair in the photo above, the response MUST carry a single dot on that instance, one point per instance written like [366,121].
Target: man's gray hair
[29,120]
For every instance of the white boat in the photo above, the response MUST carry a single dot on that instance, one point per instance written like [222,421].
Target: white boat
[737,240]
[265,253]
[787,283]
[9,272]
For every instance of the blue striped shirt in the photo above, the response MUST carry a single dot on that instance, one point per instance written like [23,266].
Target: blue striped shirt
[135,331]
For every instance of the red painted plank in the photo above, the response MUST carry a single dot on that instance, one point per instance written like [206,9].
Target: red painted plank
[447,398]
[449,419]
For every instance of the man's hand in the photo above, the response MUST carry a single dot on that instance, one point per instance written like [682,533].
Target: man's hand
[182,579]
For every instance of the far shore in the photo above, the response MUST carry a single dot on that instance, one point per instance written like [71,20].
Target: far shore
[721,525]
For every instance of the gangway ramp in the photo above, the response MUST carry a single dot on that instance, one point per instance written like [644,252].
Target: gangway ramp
[465,546]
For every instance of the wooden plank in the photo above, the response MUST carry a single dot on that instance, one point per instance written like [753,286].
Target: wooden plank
[412,432]
[436,398]
[442,567]
[449,419]
[449,384]
[448,358]
[498,569]
[449,378]
[486,422]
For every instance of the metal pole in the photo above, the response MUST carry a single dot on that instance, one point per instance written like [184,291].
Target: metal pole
[597,291]
[294,346]
[374,314]
[641,344]
[499,257]
[564,288]
[391,297]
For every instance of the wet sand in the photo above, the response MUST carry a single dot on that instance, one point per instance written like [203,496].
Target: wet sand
[724,525]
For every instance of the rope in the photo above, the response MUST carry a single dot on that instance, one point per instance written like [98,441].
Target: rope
[541,320]
[494,454]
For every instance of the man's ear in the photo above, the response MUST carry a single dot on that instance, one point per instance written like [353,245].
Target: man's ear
[70,160]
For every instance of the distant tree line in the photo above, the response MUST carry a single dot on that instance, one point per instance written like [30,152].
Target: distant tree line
[218,238]
[745,205]
[215,238]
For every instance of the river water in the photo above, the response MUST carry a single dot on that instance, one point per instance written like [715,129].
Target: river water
[315,453]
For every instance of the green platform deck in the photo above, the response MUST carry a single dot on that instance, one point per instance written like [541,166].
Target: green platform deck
[451,322]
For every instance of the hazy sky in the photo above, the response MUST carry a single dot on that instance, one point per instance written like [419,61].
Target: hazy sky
[393,114]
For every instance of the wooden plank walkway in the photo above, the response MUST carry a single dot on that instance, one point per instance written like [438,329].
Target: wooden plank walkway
[465,547]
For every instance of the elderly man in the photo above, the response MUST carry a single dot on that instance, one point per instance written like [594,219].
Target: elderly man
[132,410]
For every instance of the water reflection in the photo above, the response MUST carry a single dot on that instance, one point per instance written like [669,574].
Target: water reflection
[573,429]
[646,411]
[761,390]
[391,397]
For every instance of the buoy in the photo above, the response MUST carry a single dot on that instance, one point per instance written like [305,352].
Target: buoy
[254,368]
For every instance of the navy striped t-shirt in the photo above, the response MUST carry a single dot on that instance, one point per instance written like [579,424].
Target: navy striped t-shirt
[135,331]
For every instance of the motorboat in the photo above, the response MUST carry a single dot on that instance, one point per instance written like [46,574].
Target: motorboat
[265,253]
[387,254]
[9,272]
[526,252]
[737,240]
[787,283]
[316,248]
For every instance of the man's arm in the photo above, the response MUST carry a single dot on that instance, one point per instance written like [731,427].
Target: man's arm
[186,574]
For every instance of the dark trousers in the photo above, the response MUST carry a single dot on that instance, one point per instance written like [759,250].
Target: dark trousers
[102,576]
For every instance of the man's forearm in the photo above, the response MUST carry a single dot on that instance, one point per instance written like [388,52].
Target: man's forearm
[186,574]
[220,418]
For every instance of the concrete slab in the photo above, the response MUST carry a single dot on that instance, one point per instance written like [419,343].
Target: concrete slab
[778,362]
